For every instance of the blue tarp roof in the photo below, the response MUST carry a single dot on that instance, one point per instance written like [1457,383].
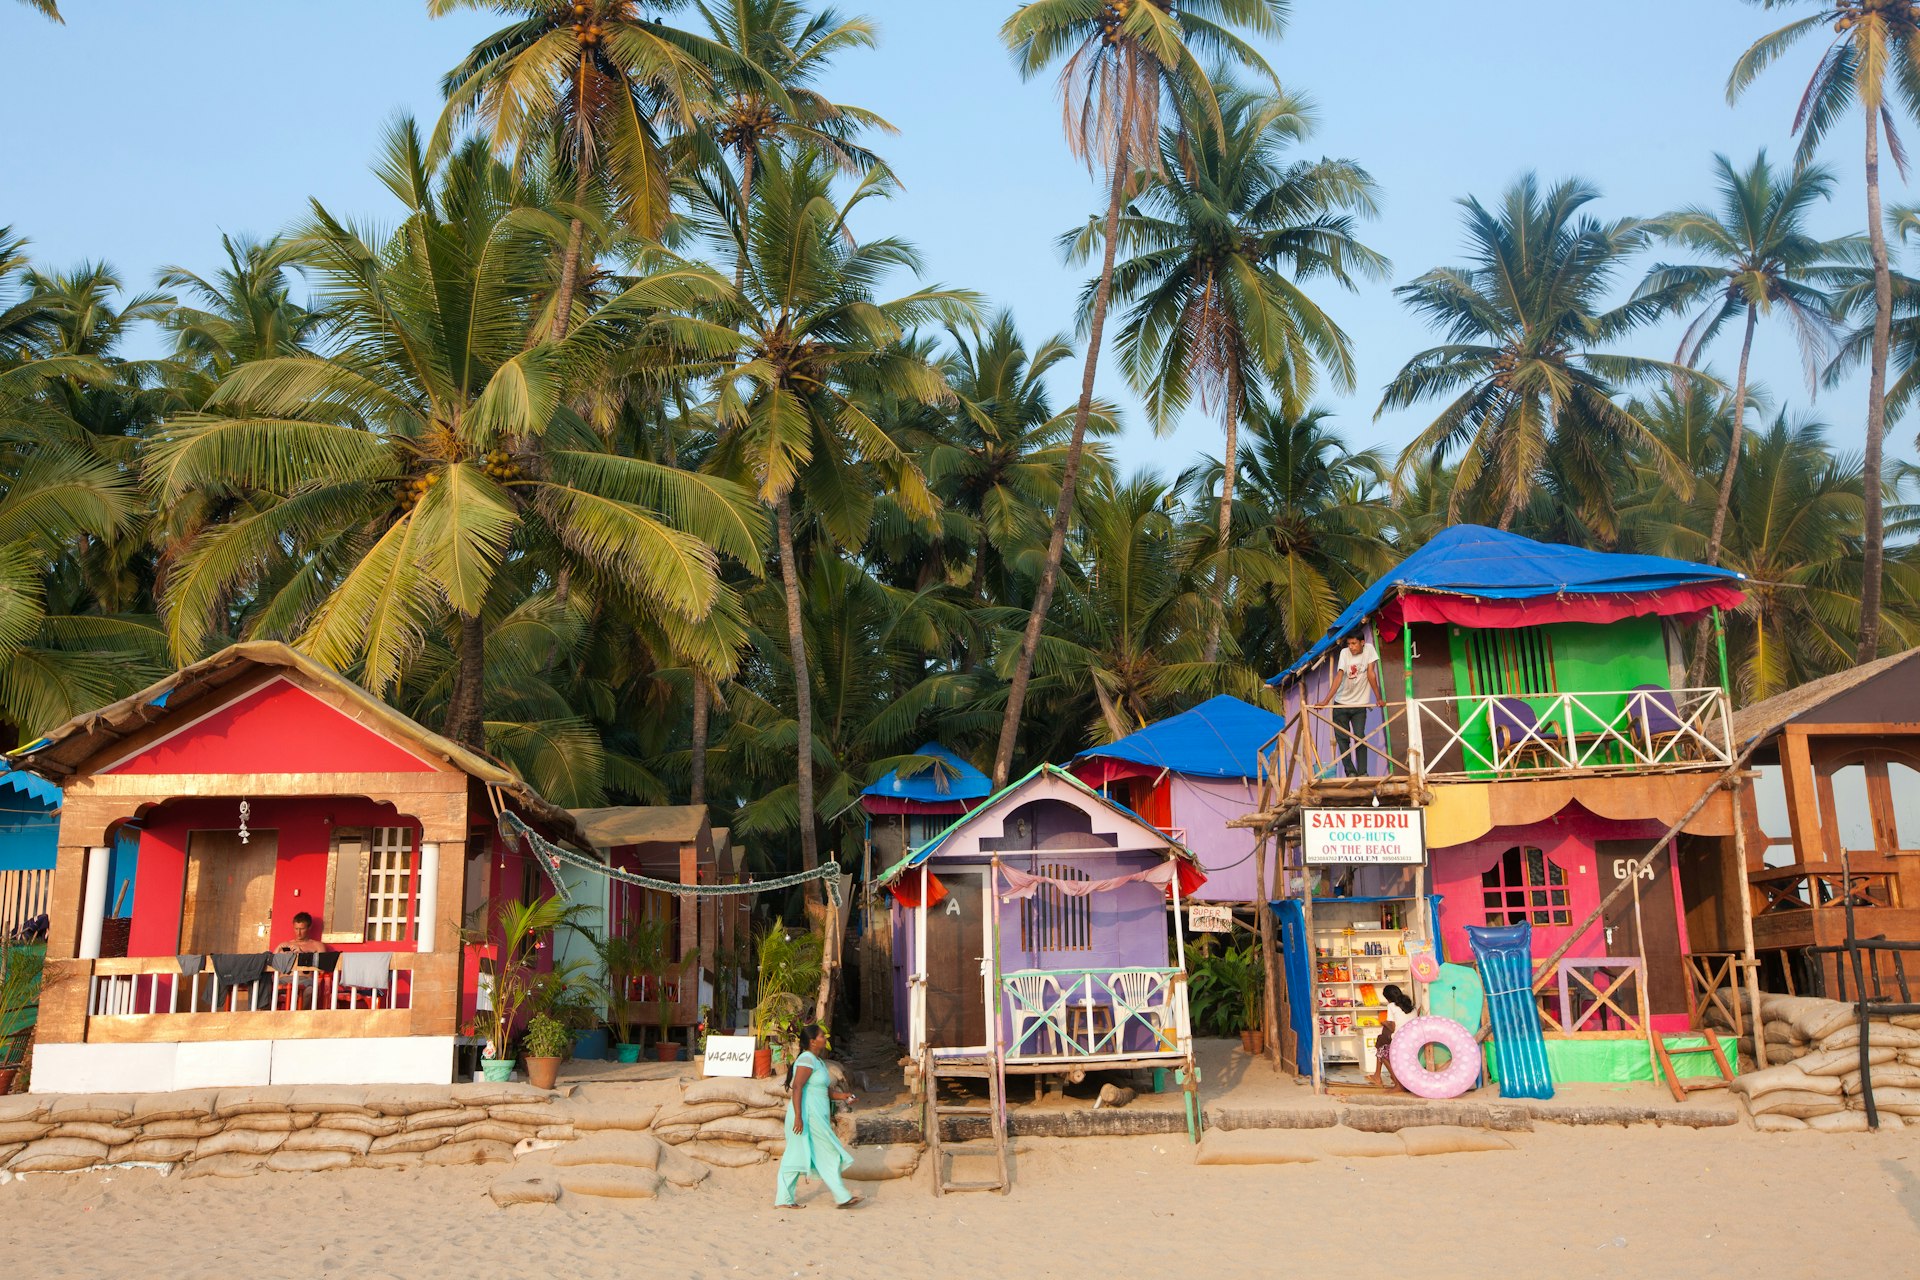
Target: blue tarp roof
[1475,561]
[32,786]
[958,781]
[1220,738]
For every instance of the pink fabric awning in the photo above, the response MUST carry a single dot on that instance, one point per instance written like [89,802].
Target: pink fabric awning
[1684,603]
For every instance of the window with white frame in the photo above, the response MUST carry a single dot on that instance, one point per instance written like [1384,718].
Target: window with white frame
[390,885]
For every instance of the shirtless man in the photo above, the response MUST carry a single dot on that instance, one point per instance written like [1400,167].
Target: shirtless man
[303,939]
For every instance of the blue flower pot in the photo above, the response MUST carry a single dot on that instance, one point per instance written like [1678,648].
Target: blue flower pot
[590,1044]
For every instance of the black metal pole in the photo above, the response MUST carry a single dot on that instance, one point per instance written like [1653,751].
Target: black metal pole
[1859,989]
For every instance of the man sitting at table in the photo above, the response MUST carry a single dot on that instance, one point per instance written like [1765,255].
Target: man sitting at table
[300,956]
[303,939]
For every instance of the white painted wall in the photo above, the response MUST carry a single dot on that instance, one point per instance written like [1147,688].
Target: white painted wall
[392,1060]
[158,1068]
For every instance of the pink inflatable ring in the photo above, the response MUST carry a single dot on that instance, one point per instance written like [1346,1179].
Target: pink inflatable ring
[1450,1081]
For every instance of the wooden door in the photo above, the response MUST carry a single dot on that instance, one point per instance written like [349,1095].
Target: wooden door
[956,992]
[1666,973]
[229,899]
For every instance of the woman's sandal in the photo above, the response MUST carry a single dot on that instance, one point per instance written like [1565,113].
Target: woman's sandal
[850,1203]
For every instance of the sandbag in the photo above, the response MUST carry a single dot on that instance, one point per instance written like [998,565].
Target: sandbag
[155,1151]
[90,1108]
[454,1153]
[611,1147]
[1839,1122]
[615,1181]
[524,1188]
[1450,1139]
[1797,1102]
[231,1165]
[1838,1062]
[409,1143]
[1901,1101]
[605,1113]
[1778,1124]
[556,1133]
[271,1122]
[394,1160]
[1758,1084]
[741,1129]
[245,1142]
[1894,1075]
[26,1131]
[748,1093]
[58,1155]
[330,1099]
[441,1118]
[1344,1143]
[1817,1020]
[182,1128]
[766,1113]
[681,1169]
[488,1093]
[1878,1033]
[489,1131]
[530,1114]
[194,1104]
[404,1100]
[111,1135]
[372,1126]
[723,1155]
[1778,1033]
[883,1164]
[309,1161]
[1787,1052]
[697,1114]
[20,1107]
[677,1133]
[259,1100]
[1253,1146]
[354,1144]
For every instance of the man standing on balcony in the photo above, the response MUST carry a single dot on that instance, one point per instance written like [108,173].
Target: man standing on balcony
[1355,691]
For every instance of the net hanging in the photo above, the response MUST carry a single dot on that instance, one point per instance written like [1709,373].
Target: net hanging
[552,857]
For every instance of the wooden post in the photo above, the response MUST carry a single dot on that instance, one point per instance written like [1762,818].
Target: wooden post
[1269,1004]
[1640,982]
[1746,936]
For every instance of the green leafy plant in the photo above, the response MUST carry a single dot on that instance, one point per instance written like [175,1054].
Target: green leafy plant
[1224,987]
[790,970]
[547,1037]
[20,974]
[624,963]
[515,930]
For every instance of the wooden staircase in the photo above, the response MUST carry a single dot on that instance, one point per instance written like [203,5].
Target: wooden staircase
[1666,1053]
[933,1070]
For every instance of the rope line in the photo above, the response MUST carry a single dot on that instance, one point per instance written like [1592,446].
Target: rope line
[552,857]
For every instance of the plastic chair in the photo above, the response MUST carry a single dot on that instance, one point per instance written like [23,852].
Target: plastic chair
[1659,718]
[1132,990]
[1515,723]
[1033,997]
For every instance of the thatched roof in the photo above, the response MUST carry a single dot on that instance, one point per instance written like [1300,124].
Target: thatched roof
[1768,717]
[619,825]
[61,753]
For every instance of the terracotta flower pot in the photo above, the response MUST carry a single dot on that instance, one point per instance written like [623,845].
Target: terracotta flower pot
[541,1071]
[1253,1042]
[763,1063]
[7,1076]
[667,1051]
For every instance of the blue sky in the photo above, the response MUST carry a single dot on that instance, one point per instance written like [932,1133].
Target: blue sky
[141,131]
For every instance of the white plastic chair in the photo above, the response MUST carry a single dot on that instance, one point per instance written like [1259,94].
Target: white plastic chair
[1133,990]
[1033,998]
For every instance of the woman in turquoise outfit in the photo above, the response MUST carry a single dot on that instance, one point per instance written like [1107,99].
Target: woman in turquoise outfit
[812,1146]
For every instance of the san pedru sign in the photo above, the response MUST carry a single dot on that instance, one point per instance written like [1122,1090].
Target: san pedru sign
[1334,837]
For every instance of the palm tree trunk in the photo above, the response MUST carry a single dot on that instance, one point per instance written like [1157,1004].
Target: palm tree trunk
[702,715]
[466,723]
[802,683]
[1697,666]
[1874,551]
[1509,511]
[570,264]
[1226,509]
[746,194]
[1070,473]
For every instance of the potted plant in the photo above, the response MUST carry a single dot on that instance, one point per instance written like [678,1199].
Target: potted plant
[622,962]
[546,1044]
[663,1009]
[1252,977]
[518,929]
[789,982]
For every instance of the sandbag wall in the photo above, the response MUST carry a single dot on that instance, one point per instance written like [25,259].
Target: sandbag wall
[1816,1082]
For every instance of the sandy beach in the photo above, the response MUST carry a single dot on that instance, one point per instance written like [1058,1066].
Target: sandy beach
[1569,1202]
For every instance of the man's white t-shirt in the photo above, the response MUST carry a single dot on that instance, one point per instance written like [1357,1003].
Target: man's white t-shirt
[1351,687]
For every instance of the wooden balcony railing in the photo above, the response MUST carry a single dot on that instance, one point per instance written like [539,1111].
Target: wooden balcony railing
[157,989]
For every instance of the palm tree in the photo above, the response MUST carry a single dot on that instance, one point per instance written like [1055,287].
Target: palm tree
[1904,331]
[1216,248]
[584,79]
[808,331]
[47,7]
[1762,257]
[1312,524]
[1522,377]
[1125,60]
[1877,44]
[246,311]
[382,484]
[779,51]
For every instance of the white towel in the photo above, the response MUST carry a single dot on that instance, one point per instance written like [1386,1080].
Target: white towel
[368,969]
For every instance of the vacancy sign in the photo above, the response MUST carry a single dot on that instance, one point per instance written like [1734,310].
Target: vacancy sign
[730,1056]
[1345,837]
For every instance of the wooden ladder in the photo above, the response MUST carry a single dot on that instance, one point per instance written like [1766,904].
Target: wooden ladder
[933,1071]
[1681,1088]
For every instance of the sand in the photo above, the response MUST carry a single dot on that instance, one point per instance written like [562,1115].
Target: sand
[1572,1202]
